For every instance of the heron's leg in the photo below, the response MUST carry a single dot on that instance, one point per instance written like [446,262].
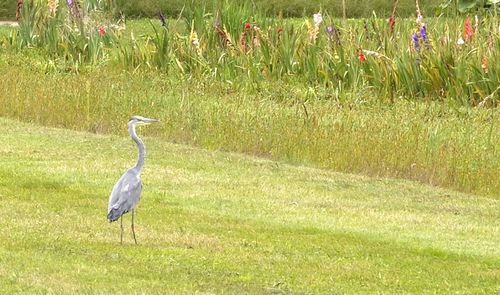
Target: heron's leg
[121,227]
[133,231]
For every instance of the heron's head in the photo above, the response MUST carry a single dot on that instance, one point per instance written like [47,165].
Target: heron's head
[139,120]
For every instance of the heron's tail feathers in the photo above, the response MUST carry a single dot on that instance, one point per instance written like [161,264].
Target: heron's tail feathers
[114,214]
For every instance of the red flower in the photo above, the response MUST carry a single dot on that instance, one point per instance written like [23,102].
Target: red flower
[225,39]
[102,31]
[362,57]
[469,31]
[392,22]
[248,26]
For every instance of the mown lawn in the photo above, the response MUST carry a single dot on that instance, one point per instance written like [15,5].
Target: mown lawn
[213,222]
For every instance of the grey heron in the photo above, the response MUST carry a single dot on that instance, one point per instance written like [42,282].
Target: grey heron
[127,191]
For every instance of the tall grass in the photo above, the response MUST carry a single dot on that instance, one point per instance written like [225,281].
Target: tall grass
[239,43]
[70,39]
[428,142]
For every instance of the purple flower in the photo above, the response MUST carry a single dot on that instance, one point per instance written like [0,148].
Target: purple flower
[423,33]
[416,43]
[70,3]
[425,38]
[333,34]
[162,19]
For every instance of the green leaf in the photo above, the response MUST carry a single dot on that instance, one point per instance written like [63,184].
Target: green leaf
[464,5]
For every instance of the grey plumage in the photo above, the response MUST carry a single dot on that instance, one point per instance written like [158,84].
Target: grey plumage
[125,195]
[127,191]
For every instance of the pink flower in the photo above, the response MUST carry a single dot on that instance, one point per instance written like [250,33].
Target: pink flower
[102,31]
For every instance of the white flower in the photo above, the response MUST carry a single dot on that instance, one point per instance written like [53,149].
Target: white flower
[318,19]
[420,20]
[193,38]
[460,41]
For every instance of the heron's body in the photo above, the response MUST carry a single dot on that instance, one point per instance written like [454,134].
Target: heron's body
[125,195]
[126,192]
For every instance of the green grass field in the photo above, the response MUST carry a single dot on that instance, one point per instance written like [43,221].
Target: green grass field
[214,222]
[311,97]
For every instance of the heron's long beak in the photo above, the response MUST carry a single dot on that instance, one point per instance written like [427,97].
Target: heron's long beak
[149,121]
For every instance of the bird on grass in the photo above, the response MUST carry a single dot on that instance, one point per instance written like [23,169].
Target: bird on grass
[127,191]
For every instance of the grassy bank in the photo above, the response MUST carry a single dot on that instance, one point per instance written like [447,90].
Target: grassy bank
[222,223]
[426,141]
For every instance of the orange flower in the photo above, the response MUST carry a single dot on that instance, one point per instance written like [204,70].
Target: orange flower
[484,65]
[469,31]
[52,6]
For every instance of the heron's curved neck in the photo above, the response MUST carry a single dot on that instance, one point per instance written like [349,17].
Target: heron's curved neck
[140,146]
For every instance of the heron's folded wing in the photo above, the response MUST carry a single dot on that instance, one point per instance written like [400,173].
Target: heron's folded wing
[131,192]
[125,192]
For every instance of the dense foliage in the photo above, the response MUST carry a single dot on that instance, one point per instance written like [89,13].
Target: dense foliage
[438,59]
[354,8]
[7,9]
